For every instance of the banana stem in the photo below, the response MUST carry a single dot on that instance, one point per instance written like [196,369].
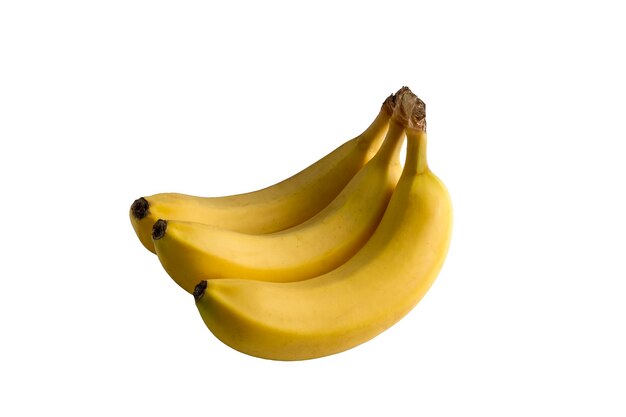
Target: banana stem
[393,142]
[374,134]
[416,162]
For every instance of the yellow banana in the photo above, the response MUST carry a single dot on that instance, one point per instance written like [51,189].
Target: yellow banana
[274,208]
[189,251]
[353,303]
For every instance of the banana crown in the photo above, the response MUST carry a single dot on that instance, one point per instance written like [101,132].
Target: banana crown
[408,109]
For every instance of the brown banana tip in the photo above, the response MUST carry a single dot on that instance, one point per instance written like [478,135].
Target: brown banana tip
[139,208]
[159,228]
[418,116]
[198,292]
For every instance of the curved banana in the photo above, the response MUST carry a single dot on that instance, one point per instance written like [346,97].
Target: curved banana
[353,303]
[274,208]
[192,251]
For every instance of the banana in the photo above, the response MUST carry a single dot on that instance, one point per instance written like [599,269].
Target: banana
[355,302]
[189,251]
[274,208]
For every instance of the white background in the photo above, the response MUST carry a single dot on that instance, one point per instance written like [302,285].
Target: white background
[103,102]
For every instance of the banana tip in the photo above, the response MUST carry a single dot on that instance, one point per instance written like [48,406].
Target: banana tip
[198,292]
[139,208]
[159,228]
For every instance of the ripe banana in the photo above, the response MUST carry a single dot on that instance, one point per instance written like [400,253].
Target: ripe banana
[355,302]
[274,208]
[191,251]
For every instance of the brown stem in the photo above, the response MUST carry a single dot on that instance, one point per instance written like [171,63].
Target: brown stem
[405,103]
[417,120]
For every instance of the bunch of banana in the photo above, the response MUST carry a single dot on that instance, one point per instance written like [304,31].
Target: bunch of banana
[300,286]
[274,208]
